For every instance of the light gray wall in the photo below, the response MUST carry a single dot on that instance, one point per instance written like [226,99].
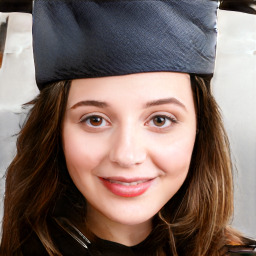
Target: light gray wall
[234,86]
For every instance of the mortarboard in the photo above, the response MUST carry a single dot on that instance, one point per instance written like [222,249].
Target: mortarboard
[84,38]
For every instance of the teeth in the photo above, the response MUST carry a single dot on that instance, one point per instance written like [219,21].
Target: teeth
[134,183]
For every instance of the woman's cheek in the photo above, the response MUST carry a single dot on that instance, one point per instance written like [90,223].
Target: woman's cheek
[174,159]
[82,152]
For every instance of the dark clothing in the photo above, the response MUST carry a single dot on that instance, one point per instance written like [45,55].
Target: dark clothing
[71,242]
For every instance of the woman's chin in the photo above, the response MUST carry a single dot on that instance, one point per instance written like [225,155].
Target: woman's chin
[131,220]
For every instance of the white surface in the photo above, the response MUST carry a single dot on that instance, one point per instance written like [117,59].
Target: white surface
[17,78]
[17,86]
[234,85]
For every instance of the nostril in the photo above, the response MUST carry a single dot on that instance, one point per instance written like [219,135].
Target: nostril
[3,33]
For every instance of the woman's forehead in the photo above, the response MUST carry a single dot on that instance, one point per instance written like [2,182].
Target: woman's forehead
[142,88]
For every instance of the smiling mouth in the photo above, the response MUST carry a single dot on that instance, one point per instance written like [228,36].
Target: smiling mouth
[127,187]
[133,183]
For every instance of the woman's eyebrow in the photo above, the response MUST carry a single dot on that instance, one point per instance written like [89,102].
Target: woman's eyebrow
[165,101]
[94,103]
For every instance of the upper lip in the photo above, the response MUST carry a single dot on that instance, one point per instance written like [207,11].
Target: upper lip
[128,180]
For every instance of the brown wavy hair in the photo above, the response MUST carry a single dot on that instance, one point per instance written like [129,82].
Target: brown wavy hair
[195,220]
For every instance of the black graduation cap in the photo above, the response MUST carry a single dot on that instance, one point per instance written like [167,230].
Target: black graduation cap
[85,38]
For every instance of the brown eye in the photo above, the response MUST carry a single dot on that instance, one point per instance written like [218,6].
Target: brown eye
[95,121]
[159,121]
[162,122]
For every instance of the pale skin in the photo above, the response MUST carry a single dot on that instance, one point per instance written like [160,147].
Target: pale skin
[125,131]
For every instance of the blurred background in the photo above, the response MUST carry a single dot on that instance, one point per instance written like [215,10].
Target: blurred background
[234,86]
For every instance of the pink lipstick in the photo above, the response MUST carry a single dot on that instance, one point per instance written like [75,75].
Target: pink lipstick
[127,187]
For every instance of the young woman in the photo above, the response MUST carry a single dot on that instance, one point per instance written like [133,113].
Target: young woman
[124,151]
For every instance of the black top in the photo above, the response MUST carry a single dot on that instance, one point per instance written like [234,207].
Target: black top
[71,242]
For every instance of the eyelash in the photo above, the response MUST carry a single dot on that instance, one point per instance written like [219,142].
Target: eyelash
[85,119]
[171,119]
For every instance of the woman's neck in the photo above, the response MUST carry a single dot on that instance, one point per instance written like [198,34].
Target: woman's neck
[126,234]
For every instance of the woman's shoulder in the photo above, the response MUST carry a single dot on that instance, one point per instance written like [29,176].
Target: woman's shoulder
[64,242]
[33,246]
[247,247]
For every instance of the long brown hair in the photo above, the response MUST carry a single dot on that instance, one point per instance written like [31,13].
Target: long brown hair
[198,215]
[33,177]
[195,219]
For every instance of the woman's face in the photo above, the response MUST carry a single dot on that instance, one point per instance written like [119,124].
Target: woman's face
[128,142]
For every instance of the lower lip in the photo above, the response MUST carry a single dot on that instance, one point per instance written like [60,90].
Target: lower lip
[127,191]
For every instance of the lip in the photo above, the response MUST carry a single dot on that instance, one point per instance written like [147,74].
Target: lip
[124,187]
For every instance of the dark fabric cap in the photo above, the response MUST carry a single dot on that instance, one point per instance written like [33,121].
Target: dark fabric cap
[81,39]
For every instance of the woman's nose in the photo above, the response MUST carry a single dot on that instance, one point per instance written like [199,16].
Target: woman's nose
[128,148]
